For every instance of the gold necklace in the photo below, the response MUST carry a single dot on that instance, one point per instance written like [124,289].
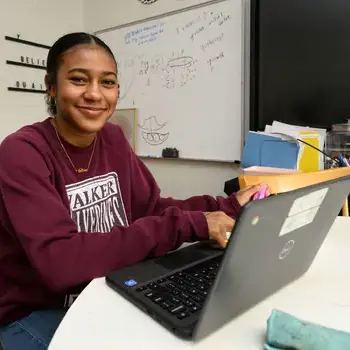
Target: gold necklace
[79,170]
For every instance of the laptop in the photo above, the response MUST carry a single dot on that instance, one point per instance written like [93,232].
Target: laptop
[197,289]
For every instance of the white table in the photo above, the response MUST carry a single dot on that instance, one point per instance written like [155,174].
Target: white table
[101,319]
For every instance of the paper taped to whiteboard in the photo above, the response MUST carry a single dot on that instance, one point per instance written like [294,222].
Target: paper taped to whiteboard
[303,211]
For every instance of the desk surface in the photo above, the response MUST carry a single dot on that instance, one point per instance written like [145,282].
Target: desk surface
[101,319]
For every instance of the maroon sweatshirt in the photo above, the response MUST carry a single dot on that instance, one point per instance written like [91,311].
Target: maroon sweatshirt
[60,229]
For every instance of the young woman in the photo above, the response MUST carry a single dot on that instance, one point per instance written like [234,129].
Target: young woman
[77,203]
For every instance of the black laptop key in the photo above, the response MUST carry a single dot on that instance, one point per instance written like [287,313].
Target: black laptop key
[171,286]
[198,298]
[174,300]
[183,315]
[184,288]
[193,291]
[141,289]
[193,284]
[194,309]
[188,279]
[189,303]
[184,296]
[179,282]
[160,290]
[150,295]
[166,305]
[157,299]
[177,309]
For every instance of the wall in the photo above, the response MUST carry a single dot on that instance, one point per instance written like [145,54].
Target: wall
[42,21]
[185,178]
[177,178]
[104,14]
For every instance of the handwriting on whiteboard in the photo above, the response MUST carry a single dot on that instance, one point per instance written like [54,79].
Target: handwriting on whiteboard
[179,67]
[199,31]
[213,60]
[202,24]
[169,72]
[219,18]
[180,70]
[144,35]
[208,43]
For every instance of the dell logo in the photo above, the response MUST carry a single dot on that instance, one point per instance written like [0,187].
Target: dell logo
[286,249]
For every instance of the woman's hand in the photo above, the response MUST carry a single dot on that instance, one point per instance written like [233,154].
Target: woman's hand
[218,224]
[244,195]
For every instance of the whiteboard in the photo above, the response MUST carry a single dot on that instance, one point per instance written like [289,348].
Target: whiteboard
[184,74]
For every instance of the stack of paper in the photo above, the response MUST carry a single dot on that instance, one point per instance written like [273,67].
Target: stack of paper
[309,158]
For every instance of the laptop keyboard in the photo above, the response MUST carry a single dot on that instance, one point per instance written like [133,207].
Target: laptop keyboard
[183,293]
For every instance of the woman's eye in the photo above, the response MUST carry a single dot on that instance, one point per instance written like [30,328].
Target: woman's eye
[109,82]
[78,80]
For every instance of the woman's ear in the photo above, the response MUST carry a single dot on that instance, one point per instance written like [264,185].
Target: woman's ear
[50,86]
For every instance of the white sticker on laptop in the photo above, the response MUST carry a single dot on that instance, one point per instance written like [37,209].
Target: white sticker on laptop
[311,200]
[303,211]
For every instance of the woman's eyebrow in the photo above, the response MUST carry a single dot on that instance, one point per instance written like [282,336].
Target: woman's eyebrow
[85,71]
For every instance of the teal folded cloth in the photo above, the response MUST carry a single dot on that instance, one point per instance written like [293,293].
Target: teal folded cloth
[284,331]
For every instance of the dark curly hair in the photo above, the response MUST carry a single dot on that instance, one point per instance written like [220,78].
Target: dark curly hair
[62,45]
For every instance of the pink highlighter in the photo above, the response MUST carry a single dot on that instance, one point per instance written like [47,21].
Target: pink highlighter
[261,194]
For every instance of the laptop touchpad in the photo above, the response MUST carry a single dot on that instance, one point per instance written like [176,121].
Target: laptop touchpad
[180,258]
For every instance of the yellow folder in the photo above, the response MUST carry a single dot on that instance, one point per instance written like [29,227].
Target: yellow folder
[310,159]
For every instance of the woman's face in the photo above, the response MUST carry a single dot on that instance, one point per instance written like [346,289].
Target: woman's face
[86,89]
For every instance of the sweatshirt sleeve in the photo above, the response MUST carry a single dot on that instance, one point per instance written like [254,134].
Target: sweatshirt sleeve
[151,203]
[33,211]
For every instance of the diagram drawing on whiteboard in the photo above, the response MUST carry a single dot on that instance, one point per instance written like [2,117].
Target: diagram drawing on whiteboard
[152,133]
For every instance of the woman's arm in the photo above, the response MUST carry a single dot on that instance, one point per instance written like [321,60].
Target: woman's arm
[34,213]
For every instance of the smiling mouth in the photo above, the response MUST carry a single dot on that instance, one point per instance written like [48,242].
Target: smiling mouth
[94,109]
